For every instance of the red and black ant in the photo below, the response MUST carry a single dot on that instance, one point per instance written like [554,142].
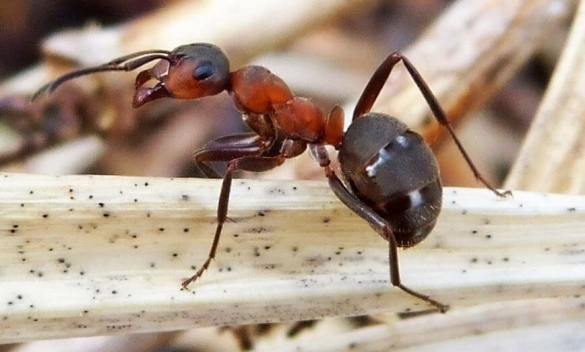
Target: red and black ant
[391,175]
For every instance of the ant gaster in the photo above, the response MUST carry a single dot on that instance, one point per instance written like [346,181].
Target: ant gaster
[391,175]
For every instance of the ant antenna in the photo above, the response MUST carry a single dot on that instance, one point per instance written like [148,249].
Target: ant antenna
[124,63]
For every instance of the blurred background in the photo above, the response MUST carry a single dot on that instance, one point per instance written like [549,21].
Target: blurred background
[330,63]
[88,125]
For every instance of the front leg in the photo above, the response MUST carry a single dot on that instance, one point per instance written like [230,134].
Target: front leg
[243,152]
[228,148]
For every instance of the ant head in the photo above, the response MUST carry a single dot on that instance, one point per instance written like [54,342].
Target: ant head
[190,72]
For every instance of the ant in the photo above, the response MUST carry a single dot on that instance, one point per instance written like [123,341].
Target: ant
[391,175]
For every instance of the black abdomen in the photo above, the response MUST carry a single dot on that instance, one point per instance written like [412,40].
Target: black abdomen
[392,170]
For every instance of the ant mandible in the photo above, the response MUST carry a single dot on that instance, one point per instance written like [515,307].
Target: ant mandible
[392,178]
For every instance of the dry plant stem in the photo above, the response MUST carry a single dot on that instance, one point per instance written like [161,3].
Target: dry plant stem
[536,325]
[91,255]
[472,50]
[552,158]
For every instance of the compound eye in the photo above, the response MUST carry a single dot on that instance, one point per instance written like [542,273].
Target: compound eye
[203,71]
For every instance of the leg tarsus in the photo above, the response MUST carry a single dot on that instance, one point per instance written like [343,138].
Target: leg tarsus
[440,306]
[417,313]
[395,269]
[210,257]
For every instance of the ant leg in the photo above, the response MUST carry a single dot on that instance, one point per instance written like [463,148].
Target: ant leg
[221,218]
[226,149]
[441,117]
[376,222]
[375,85]
[249,163]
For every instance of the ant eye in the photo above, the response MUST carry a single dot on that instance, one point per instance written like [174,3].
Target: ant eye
[203,71]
